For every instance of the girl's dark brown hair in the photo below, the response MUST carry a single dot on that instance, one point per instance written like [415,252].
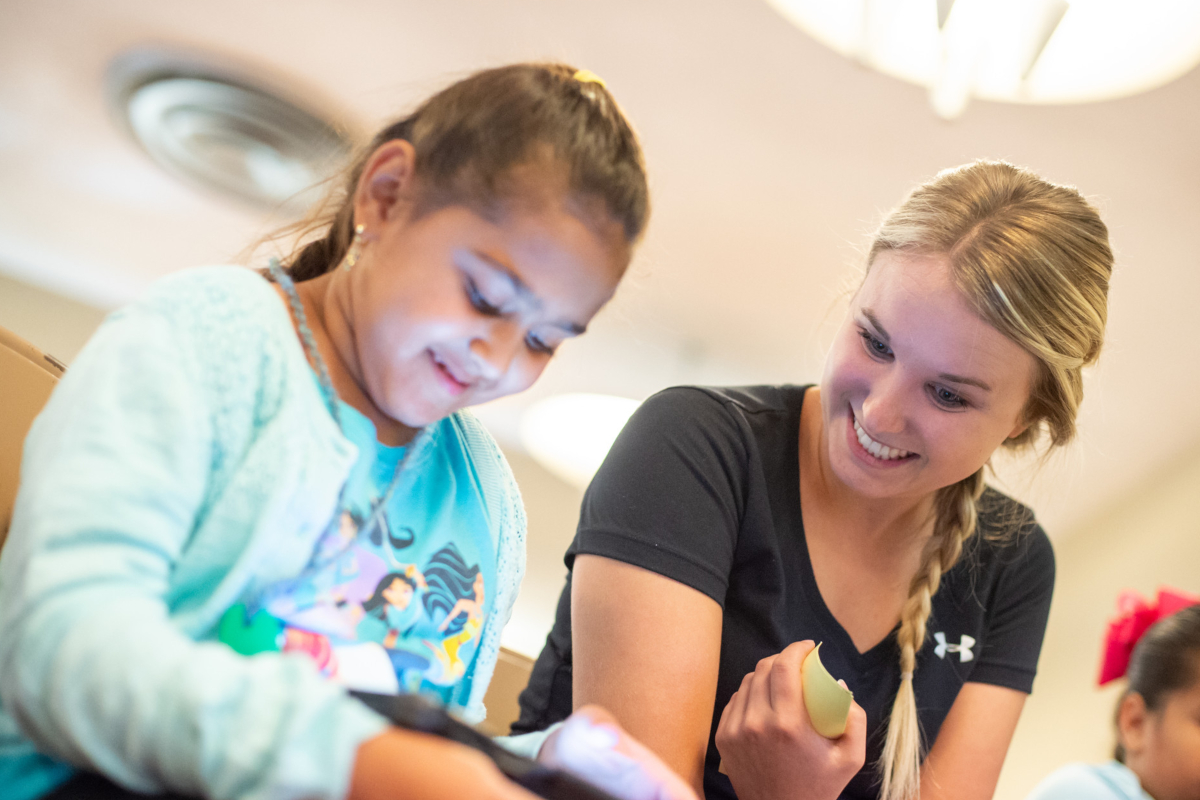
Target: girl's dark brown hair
[1166,659]
[470,136]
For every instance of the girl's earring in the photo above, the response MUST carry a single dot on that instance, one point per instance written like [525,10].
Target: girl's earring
[354,252]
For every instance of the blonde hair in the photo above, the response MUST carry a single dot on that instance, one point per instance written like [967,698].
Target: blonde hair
[1034,261]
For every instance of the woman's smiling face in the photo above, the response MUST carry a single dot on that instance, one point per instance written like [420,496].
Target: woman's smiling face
[918,390]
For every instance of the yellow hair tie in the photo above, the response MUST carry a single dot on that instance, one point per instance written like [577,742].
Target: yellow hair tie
[587,76]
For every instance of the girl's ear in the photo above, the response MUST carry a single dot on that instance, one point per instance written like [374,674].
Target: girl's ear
[386,186]
[1132,718]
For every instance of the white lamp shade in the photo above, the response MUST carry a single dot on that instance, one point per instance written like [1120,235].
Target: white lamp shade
[570,434]
[1027,51]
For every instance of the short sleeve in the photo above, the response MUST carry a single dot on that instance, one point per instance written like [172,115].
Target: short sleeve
[1015,621]
[670,494]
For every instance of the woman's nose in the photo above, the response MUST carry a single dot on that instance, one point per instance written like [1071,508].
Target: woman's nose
[882,409]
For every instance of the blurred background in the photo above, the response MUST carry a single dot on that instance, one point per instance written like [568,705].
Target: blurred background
[776,135]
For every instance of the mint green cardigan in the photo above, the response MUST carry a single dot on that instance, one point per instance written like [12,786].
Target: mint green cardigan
[185,461]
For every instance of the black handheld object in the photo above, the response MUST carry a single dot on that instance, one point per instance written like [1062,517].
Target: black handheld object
[416,713]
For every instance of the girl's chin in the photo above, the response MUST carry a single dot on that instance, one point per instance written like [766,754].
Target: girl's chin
[422,417]
[418,414]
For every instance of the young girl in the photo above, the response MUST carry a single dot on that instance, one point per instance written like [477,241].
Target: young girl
[729,529]
[1158,725]
[233,467]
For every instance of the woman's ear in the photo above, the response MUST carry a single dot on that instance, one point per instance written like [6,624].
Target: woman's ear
[1019,429]
[1132,718]
[386,186]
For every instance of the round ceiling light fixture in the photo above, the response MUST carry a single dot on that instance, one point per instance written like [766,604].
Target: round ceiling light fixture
[1020,51]
[210,127]
[570,434]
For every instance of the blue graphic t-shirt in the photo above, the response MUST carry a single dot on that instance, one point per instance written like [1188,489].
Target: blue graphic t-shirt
[396,606]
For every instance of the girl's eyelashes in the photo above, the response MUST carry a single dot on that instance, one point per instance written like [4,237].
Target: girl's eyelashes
[537,345]
[946,398]
[874,346]
[484,306]
[478,301]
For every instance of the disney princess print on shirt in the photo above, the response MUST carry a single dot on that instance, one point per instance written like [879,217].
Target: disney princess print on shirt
[384,607]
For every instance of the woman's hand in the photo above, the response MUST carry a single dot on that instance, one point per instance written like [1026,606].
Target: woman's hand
[406,765]
[592,746]
[768,746]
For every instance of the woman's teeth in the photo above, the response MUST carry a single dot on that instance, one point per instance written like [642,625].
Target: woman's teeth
[880,451]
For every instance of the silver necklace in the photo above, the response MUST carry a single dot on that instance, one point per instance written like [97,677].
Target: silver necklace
[379,508]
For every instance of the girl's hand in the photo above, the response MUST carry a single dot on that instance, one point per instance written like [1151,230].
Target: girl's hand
[592,746]
[768,746]
[405,765]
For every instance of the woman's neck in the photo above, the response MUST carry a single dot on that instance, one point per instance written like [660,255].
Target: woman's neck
[882,524]
[326,302]
[864,551]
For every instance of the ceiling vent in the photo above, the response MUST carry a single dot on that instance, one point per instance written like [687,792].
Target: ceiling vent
[212,127]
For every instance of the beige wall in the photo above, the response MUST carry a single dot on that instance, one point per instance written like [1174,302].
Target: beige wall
[51,322]
[1146,539]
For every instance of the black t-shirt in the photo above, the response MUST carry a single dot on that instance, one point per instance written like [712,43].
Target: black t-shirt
[703,486]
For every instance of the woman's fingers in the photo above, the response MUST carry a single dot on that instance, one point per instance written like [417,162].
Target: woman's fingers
[787,696]
[758,695]
[736,708]
[768,745]
[854,740]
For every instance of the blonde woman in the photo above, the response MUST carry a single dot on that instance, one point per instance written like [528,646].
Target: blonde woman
[729,529]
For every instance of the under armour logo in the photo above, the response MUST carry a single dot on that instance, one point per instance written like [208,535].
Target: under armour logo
[963,648]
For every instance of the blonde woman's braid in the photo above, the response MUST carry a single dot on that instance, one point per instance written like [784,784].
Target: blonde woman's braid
[954,524]
[1033,260]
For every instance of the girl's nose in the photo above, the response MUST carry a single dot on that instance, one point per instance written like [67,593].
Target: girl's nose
[494,350]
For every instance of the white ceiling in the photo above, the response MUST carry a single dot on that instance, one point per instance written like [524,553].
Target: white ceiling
[771,158]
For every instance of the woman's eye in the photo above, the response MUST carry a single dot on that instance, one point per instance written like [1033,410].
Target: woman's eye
[479,302]
[946,398]
[874,346]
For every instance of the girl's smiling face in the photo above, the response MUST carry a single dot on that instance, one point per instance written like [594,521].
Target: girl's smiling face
[450,308]
[918,390]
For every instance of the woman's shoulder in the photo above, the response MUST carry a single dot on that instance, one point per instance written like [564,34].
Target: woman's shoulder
[716,412]
[1007,522]
[1009,540]
[756,399]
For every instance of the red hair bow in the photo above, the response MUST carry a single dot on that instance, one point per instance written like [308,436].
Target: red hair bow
[1134,617]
